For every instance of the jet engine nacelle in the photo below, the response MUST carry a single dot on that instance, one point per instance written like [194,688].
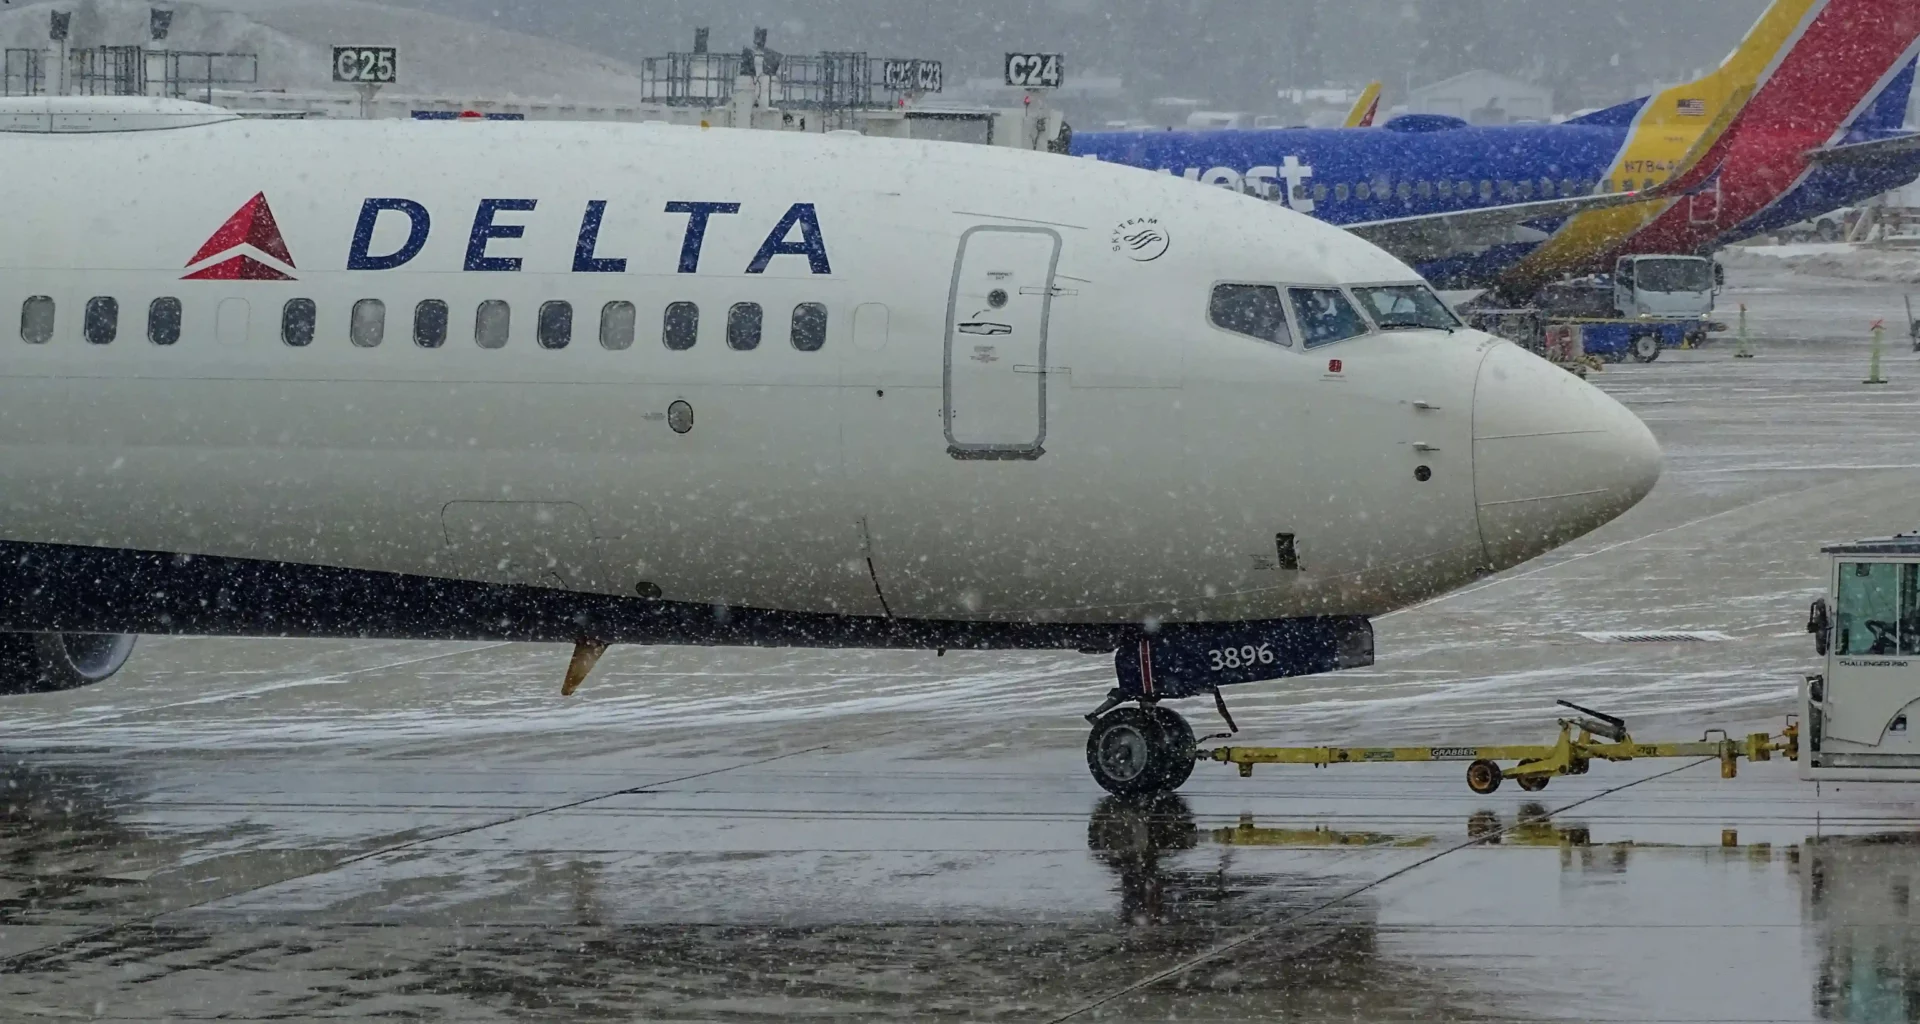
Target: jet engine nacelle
[46,662]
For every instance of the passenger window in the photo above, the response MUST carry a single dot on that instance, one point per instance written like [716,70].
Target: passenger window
[368,325]
[296,322]
[1546,188]
[1363,191]
[1320,193]
[1325,316]
[1463,189]
[102,320]
[681,326]
[491,321]
[553,328]
[616,325]
[1340,191]
[1524,189]
[1445,188]
[1425,189]
[1405,191]
[163,321]
[36,320]
[1254,310]
[1568,188]
[1486,189]
[1300,191]
[809,326]
[430,323]
[743,326]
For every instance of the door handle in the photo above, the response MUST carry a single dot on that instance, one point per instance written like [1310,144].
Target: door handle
[1422,446]
[1426,407]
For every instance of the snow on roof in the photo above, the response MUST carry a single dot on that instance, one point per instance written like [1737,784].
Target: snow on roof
[439,56]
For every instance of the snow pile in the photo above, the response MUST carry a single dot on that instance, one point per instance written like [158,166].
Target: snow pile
[439,56]
[1837,259]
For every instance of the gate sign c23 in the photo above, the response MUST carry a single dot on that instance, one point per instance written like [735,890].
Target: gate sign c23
[1036,70]
[911,75]
[366,65]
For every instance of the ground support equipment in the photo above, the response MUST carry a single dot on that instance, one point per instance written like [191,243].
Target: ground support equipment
[1582,740]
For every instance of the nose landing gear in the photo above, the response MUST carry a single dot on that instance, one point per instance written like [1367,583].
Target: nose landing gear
[1133,751]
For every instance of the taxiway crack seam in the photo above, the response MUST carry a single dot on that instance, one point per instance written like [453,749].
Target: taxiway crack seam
[1333,901]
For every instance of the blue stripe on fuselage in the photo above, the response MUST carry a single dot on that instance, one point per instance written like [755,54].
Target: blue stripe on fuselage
[1503,164]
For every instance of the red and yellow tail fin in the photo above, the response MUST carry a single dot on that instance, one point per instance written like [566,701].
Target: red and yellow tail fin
[1361,116]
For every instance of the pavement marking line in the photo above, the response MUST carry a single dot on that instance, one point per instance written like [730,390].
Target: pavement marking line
[1333,901]
[105,930]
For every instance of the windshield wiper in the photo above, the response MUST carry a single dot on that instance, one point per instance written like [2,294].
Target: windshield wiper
[1412,325]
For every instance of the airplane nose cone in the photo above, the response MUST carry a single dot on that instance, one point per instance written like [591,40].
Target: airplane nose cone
[1553,456]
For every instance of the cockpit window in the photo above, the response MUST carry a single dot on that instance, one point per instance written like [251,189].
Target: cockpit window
[1254,310]
[1397,307]
[1325,315]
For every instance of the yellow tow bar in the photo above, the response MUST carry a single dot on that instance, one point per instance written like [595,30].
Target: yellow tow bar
[1570,754]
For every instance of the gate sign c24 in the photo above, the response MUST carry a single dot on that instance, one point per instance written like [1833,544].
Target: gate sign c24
[911,75]
[1035,70]
[366,65]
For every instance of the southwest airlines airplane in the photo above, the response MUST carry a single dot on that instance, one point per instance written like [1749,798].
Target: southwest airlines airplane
[1804,117]
[598,384]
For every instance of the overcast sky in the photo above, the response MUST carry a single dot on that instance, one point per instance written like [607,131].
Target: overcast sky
[1232,53]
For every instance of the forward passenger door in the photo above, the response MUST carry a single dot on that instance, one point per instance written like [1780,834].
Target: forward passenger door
[994,379]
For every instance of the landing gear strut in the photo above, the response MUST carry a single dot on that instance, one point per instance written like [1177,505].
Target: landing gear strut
[1133,751]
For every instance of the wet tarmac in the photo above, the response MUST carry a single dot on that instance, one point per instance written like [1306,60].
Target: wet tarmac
[247,829]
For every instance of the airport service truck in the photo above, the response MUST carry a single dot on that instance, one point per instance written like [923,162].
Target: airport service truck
[1862,710]
[1648,304]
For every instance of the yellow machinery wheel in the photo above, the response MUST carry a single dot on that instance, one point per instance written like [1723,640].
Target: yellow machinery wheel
[1532,783]
[1483,776]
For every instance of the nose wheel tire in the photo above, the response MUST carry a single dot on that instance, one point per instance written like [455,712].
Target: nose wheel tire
[1483,776]
[1136,751]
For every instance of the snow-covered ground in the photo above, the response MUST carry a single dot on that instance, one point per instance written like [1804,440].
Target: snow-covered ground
[439,56]
[1830,259]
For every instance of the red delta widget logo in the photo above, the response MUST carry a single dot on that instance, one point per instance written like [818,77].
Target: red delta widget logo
[247,235]
[250,247]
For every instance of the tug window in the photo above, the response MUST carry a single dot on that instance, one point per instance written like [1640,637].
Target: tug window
[809,326]
[554,326]
[616,325]
[491,320]
[102,320]
[296,322]
[680,328]
[163,321]
[1254,310]
[1325,316]
[1877,609]
[36,320]
[743,326]
[430,323]
[368,327]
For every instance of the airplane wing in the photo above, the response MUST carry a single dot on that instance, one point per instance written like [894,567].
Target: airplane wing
[1435,234]
[1876,151]
[1361,116]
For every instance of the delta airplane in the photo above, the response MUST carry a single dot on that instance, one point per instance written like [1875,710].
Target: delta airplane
[1804,117]
[597,384]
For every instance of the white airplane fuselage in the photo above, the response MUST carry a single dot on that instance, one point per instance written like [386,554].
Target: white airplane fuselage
[1018,413]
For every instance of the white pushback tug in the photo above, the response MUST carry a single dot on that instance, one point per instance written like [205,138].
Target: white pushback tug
[600,383]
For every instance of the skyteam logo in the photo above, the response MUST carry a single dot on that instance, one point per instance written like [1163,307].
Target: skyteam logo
[1140,239]
[250,231]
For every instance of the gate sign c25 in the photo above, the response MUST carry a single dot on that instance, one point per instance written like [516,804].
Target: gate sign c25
[910,75]
[366,65]
[1035,70]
